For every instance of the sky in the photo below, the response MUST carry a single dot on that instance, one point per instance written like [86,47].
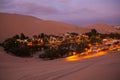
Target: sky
[78,12]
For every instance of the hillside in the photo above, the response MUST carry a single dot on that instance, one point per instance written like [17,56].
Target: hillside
[11,24]
[103,28]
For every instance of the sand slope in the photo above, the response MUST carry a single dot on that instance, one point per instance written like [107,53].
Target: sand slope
[11,24]
[106,67]
[103,28]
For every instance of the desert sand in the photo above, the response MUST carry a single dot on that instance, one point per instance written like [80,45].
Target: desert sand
[103,28]
[105,67]
[12,24]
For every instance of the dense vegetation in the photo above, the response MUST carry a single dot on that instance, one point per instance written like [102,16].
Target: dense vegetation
[53,51]
[11,45]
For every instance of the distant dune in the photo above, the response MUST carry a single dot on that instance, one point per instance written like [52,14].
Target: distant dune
[11,24]
[103,28]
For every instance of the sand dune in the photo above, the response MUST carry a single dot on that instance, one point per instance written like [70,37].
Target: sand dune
[103,28]
[106,67]
[11,24]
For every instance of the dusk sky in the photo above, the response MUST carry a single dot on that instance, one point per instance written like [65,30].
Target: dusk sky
[77,12]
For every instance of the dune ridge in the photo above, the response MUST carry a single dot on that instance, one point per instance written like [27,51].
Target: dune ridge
[11,24]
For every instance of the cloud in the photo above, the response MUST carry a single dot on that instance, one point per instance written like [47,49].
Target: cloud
[64,10]
[41,9]
[63,1]
[26,7]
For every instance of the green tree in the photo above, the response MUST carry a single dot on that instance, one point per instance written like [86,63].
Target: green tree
[50,54]
[9,43]
[16,37]
[22,36]
[94,32]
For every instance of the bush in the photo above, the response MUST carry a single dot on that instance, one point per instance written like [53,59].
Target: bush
[81,47]
[62,52]
[22,52]
[0,44]
[50,54]
[55,53]
[10,45]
